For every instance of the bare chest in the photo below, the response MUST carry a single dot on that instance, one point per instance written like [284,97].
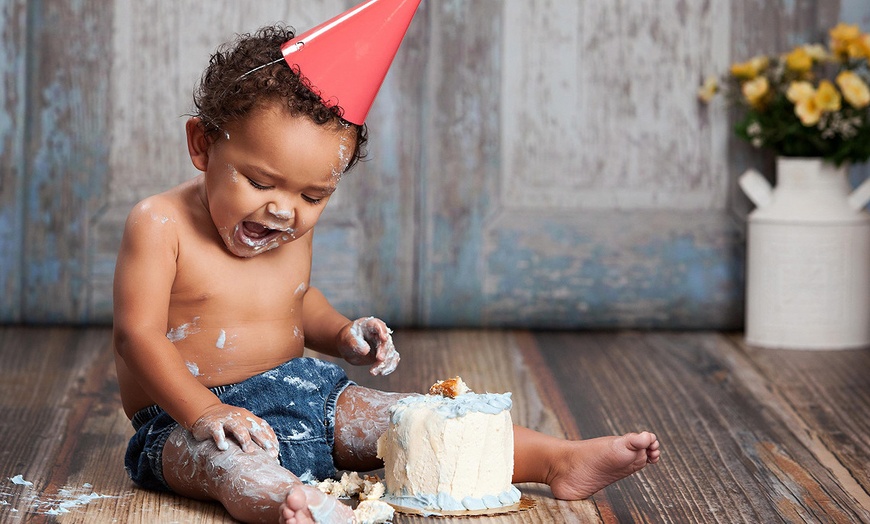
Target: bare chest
[252,305]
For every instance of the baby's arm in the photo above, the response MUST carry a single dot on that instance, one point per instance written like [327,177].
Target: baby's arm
[144,275]
[365,341]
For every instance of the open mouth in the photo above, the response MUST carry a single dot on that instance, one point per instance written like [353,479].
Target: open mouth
[258,236]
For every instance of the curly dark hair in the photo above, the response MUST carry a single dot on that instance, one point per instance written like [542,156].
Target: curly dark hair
[249,72]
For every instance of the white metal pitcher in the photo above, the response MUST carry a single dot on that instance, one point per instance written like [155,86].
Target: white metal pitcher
[808,269]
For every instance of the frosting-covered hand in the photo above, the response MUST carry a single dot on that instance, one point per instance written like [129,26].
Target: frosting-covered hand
[246,428]
[368,340]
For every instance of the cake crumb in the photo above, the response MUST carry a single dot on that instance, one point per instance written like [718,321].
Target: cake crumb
[452,388]
[373,512]
[19,480]
[353,485]
[372,490]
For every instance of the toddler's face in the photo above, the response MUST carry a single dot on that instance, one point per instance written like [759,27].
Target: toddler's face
[269,178]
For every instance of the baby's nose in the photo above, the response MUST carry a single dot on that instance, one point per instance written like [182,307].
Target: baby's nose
[281,214]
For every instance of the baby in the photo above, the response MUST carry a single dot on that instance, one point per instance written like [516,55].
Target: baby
[213,308]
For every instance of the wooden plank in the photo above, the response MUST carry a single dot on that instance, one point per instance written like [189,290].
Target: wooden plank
[728,456]
[748,435]
[13,22]
[49,385]
[825,397]
[63,429]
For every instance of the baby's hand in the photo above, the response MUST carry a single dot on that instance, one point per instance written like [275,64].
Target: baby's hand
[246,428]
[368,341]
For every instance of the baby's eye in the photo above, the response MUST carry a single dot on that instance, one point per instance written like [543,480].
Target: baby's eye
[257,185]
[310,200]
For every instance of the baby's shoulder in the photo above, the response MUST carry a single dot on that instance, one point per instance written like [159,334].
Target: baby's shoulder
[163,218]
[166,210]
[160,206]
[151,214]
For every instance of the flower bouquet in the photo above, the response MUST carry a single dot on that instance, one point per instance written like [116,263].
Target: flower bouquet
[813,101]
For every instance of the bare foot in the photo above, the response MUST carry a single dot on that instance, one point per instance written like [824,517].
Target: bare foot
[587,466]
[308,505]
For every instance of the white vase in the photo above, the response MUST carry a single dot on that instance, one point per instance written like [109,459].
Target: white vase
[808,249]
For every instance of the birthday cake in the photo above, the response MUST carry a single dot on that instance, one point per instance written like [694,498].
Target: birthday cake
[451,450]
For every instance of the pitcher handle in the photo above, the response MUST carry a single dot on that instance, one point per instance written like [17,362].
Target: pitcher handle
[860,196]
[756,187]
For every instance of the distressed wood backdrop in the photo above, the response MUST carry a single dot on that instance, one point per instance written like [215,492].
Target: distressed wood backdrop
[538,163]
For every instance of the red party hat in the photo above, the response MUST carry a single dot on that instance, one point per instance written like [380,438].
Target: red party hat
[345,59]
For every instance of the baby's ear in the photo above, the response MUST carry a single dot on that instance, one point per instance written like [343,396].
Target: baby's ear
[197,143]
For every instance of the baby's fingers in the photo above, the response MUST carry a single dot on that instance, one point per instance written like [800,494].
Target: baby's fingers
[241,434]
[377,333]
[359,335]
[204,430]
[388,365]
[264,436]
[387,360]
[219,436]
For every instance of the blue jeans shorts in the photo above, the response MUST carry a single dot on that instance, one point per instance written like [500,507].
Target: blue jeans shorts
[297,399]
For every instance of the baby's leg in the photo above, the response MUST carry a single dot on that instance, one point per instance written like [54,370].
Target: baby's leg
[361,416]
[576,469]
[253,487]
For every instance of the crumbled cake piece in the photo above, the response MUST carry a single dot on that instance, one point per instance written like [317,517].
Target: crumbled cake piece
[352,485]
[452,388]
[372,489]
[373,512]
[332,487]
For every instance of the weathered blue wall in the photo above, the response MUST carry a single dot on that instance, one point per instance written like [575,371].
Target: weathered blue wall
[13,24]
[576,184]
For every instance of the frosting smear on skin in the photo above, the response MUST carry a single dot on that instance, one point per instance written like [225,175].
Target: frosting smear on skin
[444,453]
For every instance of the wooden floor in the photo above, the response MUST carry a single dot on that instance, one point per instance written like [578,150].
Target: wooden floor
[748,435]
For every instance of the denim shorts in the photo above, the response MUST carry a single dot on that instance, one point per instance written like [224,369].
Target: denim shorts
[297,399]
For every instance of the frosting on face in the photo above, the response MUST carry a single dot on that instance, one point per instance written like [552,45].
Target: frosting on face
[268,186]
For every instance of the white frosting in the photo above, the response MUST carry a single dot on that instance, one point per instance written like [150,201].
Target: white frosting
[373,512]
[450,454]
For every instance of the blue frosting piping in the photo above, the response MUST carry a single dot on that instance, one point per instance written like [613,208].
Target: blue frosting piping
[444,502]
[489,403]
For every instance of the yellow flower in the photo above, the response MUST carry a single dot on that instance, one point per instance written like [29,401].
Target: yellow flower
[827,97]
[709,89]
[799,91]
[810,103]
[808,111]
[842,37]
[859,47]
[855,91]
[755,91]
[817,52]
[843,31]
[750,69]
[799,60]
